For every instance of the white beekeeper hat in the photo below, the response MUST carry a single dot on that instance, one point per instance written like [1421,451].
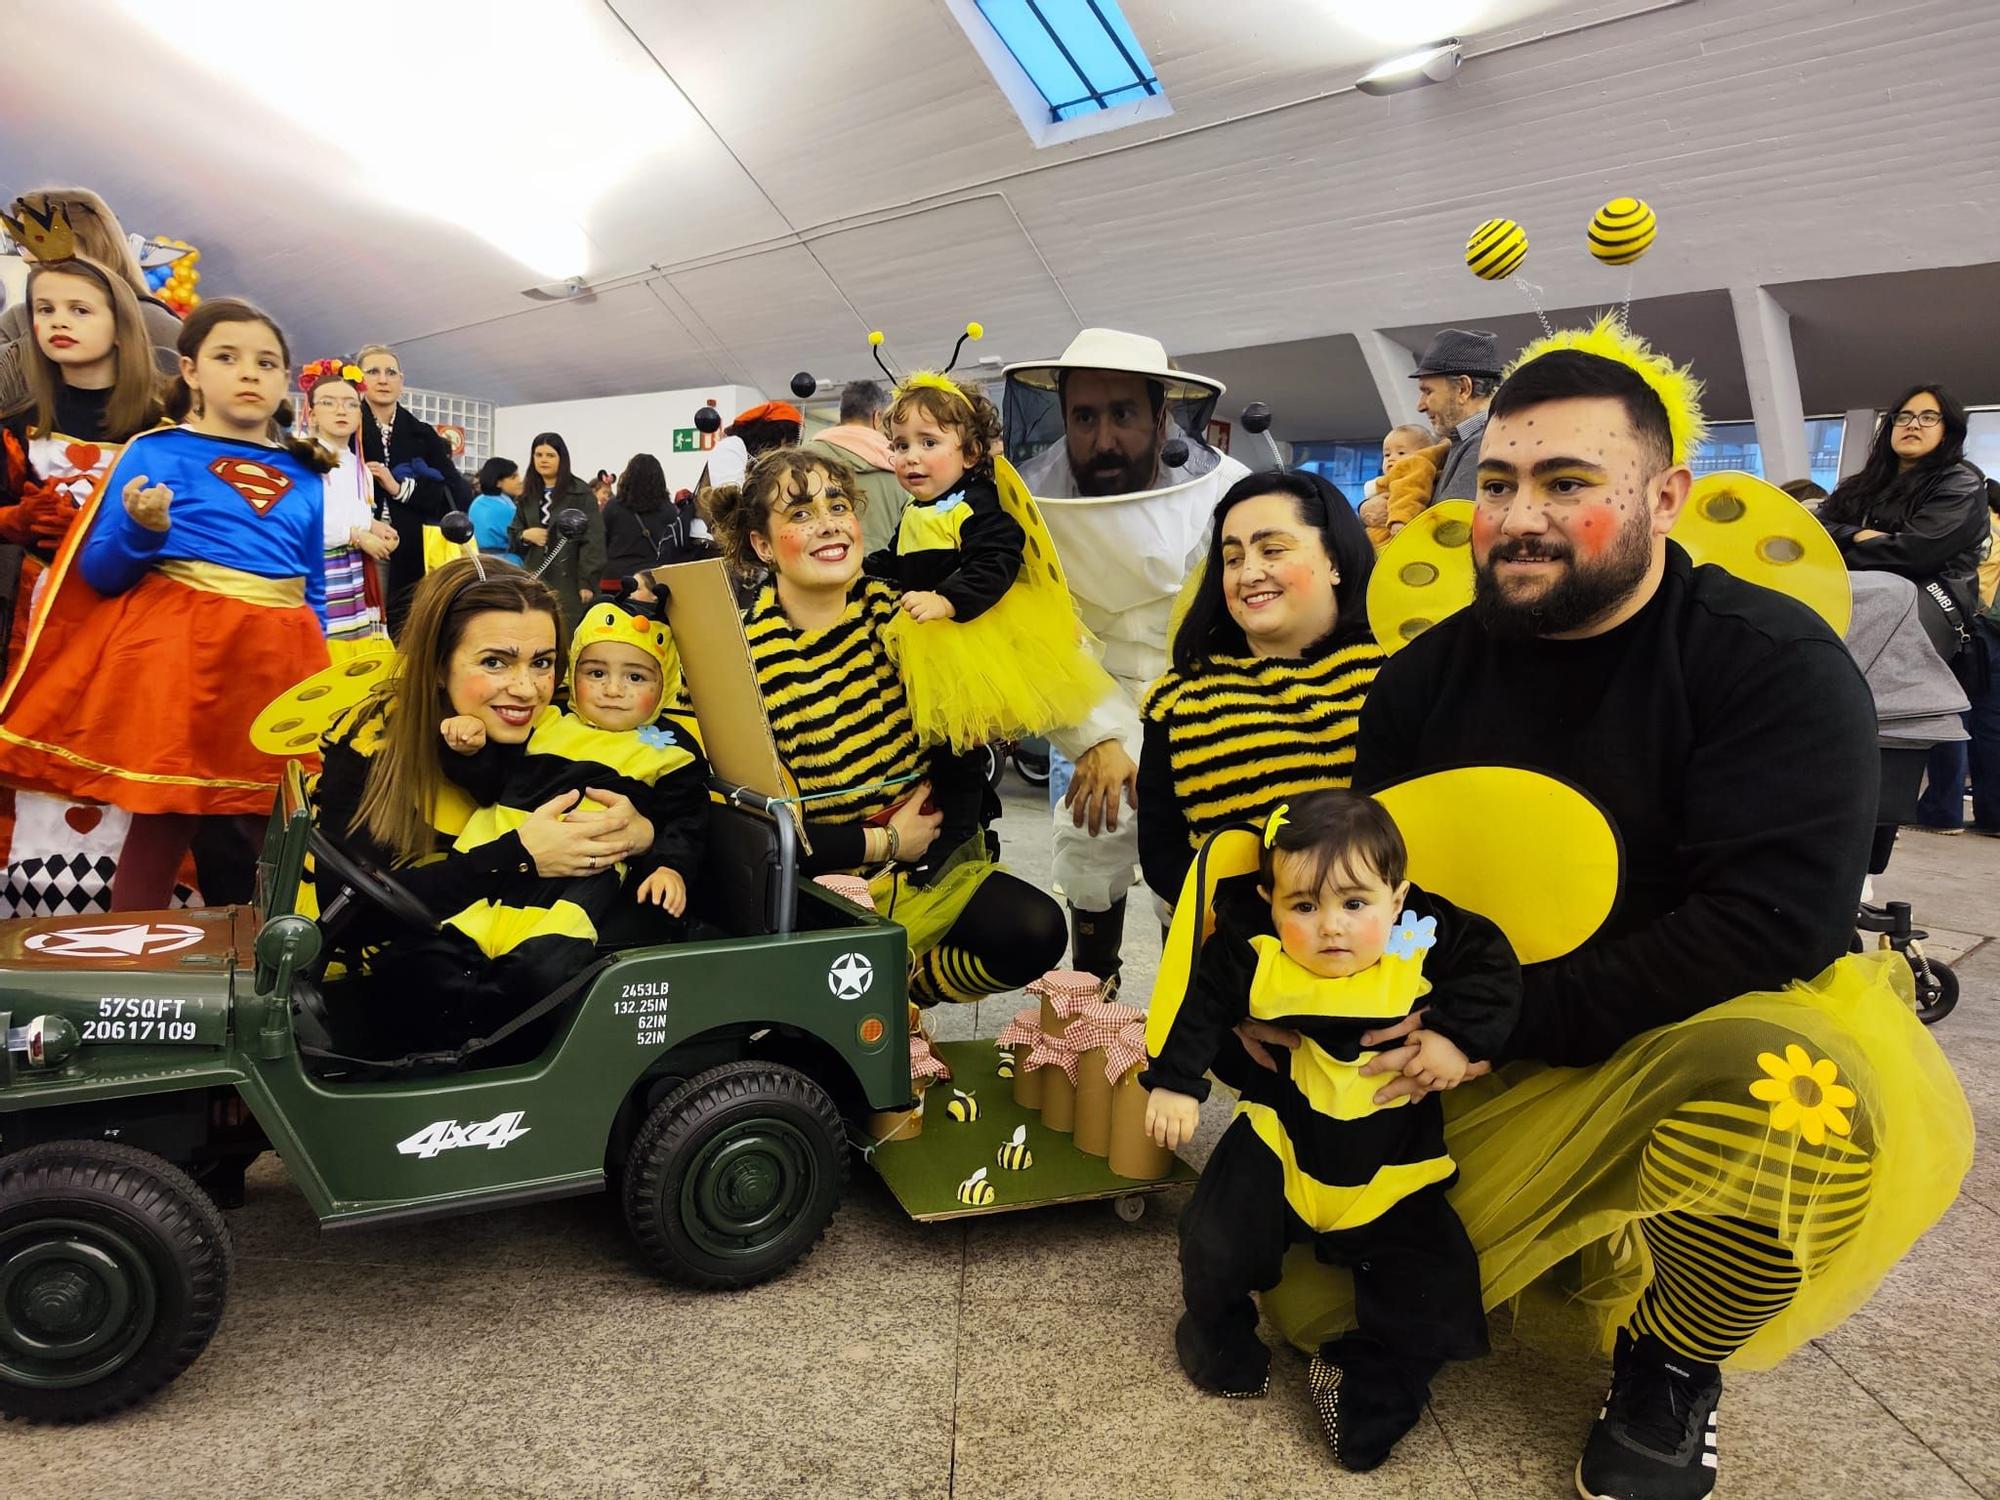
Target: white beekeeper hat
[1108,349]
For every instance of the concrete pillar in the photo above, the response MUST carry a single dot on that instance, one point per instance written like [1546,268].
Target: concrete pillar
[1857,431]
[1764,330]
[1390,366]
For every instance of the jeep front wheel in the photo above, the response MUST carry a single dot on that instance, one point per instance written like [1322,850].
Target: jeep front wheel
[736,1174]
[113,1271]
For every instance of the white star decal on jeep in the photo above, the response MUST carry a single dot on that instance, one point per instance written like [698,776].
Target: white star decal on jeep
[850,976]
[128,940]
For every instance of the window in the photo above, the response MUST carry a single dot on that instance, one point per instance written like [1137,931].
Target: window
[1733,445]
[1982,440]
[1347,465]
[1069,67]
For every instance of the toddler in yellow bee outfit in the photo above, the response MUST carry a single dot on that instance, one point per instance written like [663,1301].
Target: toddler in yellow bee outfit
[1331,940]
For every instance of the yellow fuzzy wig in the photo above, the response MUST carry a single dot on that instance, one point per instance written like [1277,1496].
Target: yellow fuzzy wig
[1676,386]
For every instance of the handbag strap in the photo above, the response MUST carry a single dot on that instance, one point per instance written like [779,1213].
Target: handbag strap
[1954,616]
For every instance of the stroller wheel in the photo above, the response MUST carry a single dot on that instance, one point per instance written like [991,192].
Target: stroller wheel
[1937,988]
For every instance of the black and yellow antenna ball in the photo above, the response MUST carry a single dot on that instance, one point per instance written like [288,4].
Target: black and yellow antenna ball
[1496,249]
[1623,230]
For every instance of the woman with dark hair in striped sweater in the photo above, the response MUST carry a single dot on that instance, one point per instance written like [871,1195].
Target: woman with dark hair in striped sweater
[1271,663]
[911,816]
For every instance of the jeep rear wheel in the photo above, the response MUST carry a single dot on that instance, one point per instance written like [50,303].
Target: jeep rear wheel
[736,1174]
[113,1271]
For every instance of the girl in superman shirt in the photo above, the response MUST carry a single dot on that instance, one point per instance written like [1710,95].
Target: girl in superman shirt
[189,595]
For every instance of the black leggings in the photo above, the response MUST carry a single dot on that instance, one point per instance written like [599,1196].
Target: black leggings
[1007,934]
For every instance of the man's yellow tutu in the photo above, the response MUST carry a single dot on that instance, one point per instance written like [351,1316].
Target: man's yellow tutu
[1824,1112]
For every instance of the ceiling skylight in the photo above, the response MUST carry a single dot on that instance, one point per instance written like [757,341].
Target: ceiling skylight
[1070,67]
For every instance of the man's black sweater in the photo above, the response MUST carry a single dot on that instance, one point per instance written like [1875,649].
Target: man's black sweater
[1731,739]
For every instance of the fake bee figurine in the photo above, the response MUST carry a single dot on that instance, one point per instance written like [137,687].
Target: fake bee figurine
[1014,1154]
[976,1190]
[1006,1068]
[962,1107]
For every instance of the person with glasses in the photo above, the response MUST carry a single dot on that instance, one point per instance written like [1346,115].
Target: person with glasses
[355,538]
[415,477]
[1917,509]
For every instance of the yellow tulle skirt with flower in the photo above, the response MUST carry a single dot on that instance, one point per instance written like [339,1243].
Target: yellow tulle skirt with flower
[1824,1112]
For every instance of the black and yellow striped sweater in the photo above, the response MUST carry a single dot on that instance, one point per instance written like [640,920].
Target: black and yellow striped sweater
[1228,741]
[841,720]
[1345,1158]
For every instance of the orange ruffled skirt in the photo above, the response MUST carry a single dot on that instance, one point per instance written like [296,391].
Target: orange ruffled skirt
[145,700]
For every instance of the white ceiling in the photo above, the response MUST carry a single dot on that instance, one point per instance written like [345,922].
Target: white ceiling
[757,183]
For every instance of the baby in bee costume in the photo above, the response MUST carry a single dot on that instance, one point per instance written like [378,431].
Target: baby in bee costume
[986,635]
[1310,1157]
[623,667]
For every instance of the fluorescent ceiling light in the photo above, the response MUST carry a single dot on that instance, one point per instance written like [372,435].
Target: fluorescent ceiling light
[1432,64]
[512,119]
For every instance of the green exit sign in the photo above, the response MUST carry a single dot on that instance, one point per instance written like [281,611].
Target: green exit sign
[684,440]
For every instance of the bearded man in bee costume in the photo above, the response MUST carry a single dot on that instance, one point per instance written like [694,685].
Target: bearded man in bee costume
[1109,439]
[1714,1129]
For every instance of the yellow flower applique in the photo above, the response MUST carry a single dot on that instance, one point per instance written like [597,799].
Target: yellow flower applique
[1803,1094]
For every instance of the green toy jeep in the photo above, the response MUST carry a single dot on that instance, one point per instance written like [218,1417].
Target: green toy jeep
[149,1057]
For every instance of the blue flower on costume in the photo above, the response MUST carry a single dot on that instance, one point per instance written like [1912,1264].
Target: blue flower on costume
[658,736]
[1412,935]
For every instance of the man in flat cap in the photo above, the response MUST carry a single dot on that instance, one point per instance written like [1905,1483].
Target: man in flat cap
[1455,379]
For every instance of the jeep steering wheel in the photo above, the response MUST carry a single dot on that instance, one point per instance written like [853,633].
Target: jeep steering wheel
[358,878]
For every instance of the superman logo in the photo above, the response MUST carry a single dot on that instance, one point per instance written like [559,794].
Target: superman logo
[259,483]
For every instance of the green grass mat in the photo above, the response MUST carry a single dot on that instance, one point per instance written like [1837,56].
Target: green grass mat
[924,1173]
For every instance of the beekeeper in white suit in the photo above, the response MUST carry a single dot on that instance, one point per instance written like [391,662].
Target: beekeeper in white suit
[1109,439]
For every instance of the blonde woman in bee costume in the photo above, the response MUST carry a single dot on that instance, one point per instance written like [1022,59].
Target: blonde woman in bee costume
[1328,937]
[1734,1127]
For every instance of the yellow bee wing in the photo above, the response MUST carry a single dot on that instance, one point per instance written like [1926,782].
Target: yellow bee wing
[293,722]
[1041,568]
[1423,575]
[1762,535]
[1231,851]
[1532,854]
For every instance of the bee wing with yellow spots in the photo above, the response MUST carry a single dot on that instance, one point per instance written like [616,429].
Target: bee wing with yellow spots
[1041,568]
[293,722]
[1423,575]
[1756,531]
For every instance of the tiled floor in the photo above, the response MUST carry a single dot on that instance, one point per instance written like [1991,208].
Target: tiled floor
[529,1354]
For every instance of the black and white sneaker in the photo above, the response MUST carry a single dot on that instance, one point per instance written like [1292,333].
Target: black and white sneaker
[1655,1438]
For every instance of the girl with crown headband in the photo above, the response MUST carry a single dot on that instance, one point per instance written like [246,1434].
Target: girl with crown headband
[1330,938]
[987,638]
[355,540]
[188,596]
[90,386]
